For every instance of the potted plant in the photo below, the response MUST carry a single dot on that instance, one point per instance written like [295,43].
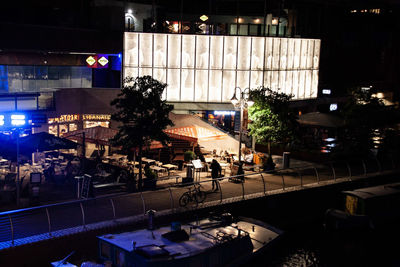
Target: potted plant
[151,179]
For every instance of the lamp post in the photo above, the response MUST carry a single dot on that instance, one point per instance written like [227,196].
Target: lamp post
[241,102]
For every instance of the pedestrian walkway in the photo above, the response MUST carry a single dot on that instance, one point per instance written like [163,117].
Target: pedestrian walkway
[26,226]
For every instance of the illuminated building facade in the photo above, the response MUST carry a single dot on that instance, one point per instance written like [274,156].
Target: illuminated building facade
[207,68]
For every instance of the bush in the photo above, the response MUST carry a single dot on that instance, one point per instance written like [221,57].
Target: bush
[189,155]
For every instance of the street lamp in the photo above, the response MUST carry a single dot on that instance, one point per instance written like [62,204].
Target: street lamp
[241,102]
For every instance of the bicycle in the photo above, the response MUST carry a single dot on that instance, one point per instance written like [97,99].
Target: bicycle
[192,195]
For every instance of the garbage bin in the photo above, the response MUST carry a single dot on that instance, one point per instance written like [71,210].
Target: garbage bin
[286,160]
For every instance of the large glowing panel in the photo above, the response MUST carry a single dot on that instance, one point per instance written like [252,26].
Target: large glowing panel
[146,50]
[174,51]
[256,79]
[243,79]
[244,51]
[216,52]
[215,86]
[160,51]
[257,53]
[207,68]
[187,85]
[131,55]
[173,91]
[202,52]
[228,85]
[230,49]
[201,87]
[188,51]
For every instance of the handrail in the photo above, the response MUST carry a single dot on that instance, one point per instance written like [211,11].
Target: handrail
[4,213]
[13,233]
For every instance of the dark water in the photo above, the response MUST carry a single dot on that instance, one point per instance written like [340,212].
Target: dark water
[316,247]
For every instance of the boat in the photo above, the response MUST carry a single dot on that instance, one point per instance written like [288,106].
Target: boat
[366,208]
[208,242]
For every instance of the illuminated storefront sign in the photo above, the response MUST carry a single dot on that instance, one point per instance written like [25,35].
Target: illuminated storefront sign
[91,60]
[78,117]
[96,117]
[224,112]
[202,68]
[97,61]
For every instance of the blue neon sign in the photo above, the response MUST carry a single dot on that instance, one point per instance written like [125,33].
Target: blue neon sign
[18,119]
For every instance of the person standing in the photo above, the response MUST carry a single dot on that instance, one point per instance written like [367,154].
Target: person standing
[216,172]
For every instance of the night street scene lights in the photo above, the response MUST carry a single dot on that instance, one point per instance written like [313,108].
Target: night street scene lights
[243,101]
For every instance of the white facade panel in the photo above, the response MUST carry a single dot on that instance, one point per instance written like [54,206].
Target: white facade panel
[206,68]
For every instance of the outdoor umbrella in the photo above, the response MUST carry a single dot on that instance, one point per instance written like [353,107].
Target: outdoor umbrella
[44,142]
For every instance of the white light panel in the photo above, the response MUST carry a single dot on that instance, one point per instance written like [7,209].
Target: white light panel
[207,68]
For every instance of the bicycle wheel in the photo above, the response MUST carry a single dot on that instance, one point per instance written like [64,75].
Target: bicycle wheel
[184,200]
[200,196]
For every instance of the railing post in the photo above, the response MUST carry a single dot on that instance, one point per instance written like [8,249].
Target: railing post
[364,167]
[333,171]
[220,191]
[144,205]
[262,177]
[379,164]
[113,208]
[349,169]
[48,220]
[83,215]
[171,197]
[12,230]
[316,174]
[243,187]
[301,178]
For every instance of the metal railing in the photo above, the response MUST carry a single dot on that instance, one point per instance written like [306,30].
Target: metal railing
[44,222]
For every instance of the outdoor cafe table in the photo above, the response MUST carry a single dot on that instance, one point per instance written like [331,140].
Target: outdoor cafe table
[169,167]
[149,161]
[157,169]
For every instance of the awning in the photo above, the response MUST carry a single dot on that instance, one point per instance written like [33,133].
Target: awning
[193,133]
[96,135]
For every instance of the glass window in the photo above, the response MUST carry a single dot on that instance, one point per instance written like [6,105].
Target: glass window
[105,250]
[254,29]
[243,29]
[72,127]
[91,124]
[53,129]
[63,128]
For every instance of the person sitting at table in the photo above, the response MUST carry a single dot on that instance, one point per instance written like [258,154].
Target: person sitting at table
[50,173]
[248,158]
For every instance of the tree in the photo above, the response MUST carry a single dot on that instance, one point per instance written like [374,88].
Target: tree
[366,119]
[272,121]
[143,114]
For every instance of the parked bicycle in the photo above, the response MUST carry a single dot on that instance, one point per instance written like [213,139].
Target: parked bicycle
[194,194]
